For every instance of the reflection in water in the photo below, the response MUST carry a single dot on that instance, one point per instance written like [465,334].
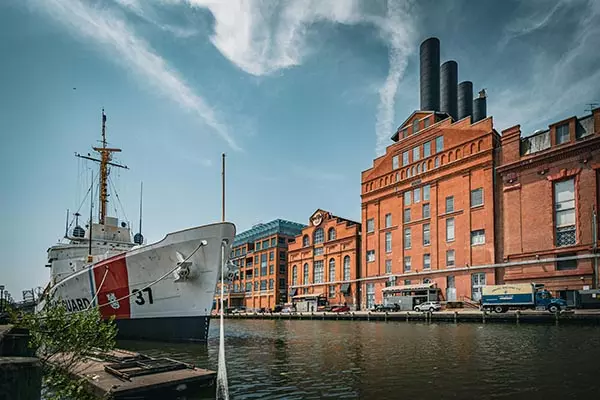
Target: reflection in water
[377,360]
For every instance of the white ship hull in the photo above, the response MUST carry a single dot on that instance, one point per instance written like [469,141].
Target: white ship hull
[163,291]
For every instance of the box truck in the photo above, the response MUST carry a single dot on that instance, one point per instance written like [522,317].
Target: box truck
[519,296]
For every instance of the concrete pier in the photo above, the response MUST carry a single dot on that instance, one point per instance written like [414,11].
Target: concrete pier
[20,373]
[586,317]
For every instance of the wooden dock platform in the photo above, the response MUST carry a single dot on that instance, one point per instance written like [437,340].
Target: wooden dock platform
[121,374]
[584,317]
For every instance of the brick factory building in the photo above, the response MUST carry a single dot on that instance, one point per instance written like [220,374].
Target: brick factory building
[550,184]
[323,262]
[260,255]
[428,203]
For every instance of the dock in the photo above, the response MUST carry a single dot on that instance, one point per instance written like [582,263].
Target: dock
[582,317]
[121,374]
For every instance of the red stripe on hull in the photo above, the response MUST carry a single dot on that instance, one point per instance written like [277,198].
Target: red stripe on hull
[115,286]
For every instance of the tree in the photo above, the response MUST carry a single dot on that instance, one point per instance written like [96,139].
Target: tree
[62,340]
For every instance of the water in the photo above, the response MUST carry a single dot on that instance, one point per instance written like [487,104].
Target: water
[271,359]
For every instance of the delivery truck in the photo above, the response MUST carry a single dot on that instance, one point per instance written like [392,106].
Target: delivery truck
[500,298]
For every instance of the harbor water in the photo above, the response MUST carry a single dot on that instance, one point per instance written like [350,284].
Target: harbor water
[279,359]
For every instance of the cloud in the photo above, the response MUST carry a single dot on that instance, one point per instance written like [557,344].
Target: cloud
[112,32]
[558,82]
[145,11]
[264,37]
[316,174]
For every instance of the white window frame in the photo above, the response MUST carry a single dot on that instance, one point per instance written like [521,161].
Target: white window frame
[370,255]
[426,234]
[426,261]
[407,264]
[474,193]
[450,258]
[407,238]
[388,220]
[370,225]
[478,237]
[395,162]
[388,242]
[450,229]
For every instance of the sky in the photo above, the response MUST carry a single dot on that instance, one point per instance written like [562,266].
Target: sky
[301,96]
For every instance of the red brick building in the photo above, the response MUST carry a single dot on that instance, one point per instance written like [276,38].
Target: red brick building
[428,203]
[260,255]
[550,183]
[324,261]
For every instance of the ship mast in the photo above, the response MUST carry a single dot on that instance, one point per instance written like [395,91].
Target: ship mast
[105,161]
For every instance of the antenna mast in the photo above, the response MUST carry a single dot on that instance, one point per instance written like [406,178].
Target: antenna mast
[105,161]
[223,186]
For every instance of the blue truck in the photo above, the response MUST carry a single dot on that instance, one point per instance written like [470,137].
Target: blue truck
[500,298]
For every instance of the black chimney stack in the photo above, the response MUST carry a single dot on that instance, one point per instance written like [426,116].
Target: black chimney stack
[465,99]
[449,89]
[430,74]
[480,107]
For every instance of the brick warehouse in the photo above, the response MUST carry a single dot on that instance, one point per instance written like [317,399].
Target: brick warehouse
[260,255]
[551,179]
[450,205]
[324,261]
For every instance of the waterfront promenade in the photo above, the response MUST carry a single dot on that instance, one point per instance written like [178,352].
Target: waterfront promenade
[588,317]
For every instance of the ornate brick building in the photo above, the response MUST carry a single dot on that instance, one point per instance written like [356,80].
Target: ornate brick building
[324,261]
[550,184]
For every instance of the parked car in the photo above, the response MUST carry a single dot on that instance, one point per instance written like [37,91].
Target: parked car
[339,309]
[385,307]
[428,306]
[238,310]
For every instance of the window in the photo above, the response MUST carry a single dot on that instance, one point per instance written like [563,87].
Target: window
[281,283]
[237,252]
[562,133]
[294,275]
[281,241]
[305,241]
[395,162]
[318,272]
[282,269]
[436,162]
[271,255]
[407,243]
[332,291]
[407,198]
[318,251]
[407,281]
[449,229]
[263,264]
[426,194]
[331,234]
[439,144]
[426,236]
[450,258]
[415,126]
[477,197]
[477,237]
[426,261]
[257,245]
[248,286]
[388,266]
[256,286]
[318,236]
[370,225]
[331,270]
[370,255]
[265,244]
[244,251]
[271,284]
[263,284]
[406,215]
[305,275]
[282,255]
[405,161]
[416,154]
[424,167]
[388,242]
[426,149]
[370,289]
[477,283]
[417,195]
[271,269]
[347,268]
[425,210]
[450,204]
[388,220]
[564,214]
[406,264]
[418,169]
[562,265]
[273,242]
[426,122]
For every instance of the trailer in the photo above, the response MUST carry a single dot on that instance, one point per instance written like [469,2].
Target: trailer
[501,298]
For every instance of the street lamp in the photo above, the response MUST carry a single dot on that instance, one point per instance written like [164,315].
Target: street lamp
[1,297]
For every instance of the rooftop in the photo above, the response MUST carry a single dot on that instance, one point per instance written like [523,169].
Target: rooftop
[259,231]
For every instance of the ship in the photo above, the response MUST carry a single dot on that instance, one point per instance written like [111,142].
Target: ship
[162,291]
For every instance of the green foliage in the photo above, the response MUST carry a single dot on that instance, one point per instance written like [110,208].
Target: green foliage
[63,340]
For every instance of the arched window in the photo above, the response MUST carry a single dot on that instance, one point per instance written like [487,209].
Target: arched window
[305,275]
[331,270]
[418,168]
[318,236]
[396,177]
[472,148]
[294,275]
[436,163]
[412,171]
[305,241]
[331,234]
[347,268]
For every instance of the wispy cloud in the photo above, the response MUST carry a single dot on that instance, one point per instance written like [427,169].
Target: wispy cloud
[262,37]
[111,31]
[316,174]
[558,81]
[145,11]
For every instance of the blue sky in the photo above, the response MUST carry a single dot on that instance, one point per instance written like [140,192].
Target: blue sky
[300,95]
